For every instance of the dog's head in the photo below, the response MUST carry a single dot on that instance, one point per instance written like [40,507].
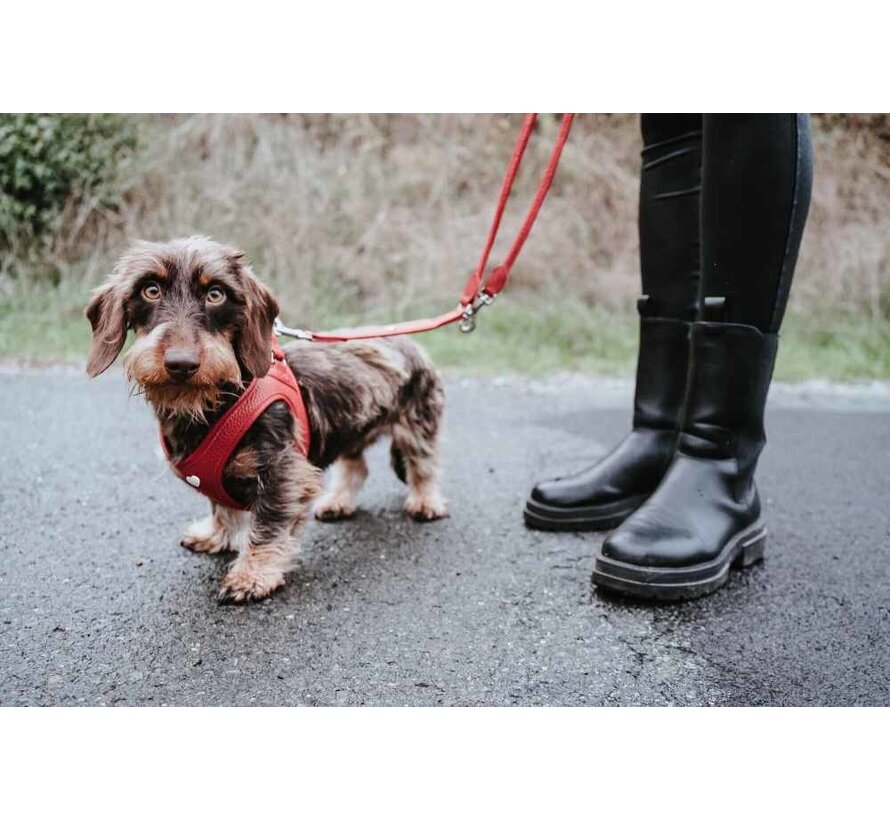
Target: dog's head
[201,320]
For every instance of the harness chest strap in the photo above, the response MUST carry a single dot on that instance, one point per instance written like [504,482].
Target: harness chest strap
[203,469]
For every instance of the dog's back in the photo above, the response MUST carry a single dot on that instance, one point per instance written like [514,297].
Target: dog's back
[357,390]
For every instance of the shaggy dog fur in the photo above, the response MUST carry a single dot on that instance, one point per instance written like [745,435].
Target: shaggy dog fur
[203,328]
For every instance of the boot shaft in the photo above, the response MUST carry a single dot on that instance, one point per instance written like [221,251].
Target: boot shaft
[731,367]
[662,367]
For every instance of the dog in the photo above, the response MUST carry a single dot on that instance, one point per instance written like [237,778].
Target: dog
[203,323]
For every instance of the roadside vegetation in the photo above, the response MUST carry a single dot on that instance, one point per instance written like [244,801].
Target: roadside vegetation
[356,218]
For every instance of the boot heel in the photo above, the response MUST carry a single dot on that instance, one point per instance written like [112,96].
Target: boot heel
[752,550]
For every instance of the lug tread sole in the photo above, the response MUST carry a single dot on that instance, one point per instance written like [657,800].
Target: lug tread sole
[682,583]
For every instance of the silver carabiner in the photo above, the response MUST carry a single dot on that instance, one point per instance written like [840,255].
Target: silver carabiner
[481,300]
[281,329]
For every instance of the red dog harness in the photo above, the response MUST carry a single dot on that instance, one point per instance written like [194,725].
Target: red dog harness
[203,469]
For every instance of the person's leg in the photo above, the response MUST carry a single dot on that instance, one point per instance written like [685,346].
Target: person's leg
[669,213]
[757,182]
[604,494]
[705,515]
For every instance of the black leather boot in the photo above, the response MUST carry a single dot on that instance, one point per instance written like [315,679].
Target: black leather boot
[705,515]
[603,495]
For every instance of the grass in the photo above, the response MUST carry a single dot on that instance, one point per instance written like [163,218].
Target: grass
[44,323]
[846,349]
[519,334]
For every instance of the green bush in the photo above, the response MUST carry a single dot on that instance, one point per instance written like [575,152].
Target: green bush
[48,160]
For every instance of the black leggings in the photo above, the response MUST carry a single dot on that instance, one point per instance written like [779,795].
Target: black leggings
[723,202]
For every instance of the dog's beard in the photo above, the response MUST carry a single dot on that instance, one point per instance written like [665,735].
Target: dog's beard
[177,400]
[217,377]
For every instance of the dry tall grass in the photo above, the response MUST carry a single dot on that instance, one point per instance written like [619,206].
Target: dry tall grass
[379,215]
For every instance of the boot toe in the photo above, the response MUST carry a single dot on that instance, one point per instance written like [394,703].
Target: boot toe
[646,544]
[547,492]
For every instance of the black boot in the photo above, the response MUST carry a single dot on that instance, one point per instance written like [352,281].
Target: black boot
[603,495]
[705,515]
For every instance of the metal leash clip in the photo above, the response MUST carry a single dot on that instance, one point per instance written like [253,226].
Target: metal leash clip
[281,329]
[468,323]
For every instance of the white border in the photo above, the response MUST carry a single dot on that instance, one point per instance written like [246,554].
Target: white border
[460,56]
[452,763]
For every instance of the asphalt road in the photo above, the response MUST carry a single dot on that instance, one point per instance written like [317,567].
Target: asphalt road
[99,604]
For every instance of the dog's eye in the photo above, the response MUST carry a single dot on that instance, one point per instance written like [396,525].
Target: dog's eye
[216,296]
[151,292]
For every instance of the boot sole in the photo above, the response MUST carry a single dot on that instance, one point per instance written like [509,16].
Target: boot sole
[539,516]
[682,583]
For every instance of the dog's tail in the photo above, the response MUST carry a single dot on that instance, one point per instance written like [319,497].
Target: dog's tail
[397,460]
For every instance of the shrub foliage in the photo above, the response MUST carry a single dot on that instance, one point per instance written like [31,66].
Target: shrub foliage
[50,161]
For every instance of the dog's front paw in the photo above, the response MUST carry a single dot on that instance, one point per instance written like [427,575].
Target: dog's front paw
[240,586]
[426,506]
[334,507]
[205,536]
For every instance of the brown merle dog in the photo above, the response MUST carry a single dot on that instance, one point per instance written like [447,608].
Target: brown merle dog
[203,325]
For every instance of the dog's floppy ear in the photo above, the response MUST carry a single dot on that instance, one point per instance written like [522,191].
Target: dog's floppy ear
[109,322]
[253,343]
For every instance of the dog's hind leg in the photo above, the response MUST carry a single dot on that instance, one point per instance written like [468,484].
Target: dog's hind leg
[348,475]
[415,444]
[222,530]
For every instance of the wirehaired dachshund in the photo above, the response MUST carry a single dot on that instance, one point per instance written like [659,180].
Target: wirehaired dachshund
[203,329]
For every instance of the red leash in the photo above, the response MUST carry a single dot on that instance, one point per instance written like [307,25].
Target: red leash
[475,295]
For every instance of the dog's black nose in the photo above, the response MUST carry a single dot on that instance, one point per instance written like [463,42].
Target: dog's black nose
[181,364]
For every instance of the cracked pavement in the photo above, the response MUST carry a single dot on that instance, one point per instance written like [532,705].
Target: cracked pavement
[99,604]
